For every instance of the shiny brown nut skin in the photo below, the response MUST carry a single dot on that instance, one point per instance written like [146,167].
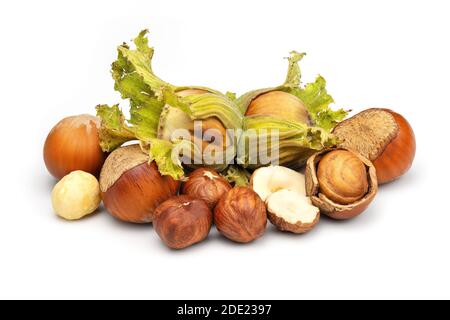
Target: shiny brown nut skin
[206,184]
[399,154]
[182,221]
[73,144]
[384,137]
[240,215]
[134,194]
[280,105]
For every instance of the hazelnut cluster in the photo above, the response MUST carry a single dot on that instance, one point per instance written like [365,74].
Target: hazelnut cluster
[291,124]
[375,146]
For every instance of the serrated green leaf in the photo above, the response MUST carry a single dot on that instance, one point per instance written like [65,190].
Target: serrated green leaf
[167,160]
[317,101]
[294,74]
[113,130]
[237,176]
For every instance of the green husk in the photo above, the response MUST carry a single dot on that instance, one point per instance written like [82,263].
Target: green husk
[149,96]
[157,110]
[113,131]
[237,175]
[297,140]
[314,95]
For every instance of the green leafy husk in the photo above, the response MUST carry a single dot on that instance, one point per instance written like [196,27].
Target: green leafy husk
[157,109]
[297,140]
[149,99]
[237,176]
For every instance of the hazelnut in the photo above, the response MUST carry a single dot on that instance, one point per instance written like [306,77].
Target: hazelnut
[382,136]
[291,211]
[182,221]
[76,195]
[240,215]
[280,105]
[132,187]
[213,150]
[73,144]
[341,182]
[283,190]
[206,184]
[342,176]
[267,180]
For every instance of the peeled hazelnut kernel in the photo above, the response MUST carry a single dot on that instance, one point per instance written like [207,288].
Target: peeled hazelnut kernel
[330,192]
[241,215]
[382,136]
[283,190]
[182,221]
[292,211]
[206,184]
[267,180]
[132,187]
[342,177]
[76,195]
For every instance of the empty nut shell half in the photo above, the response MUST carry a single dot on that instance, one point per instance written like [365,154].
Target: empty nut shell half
[331,205]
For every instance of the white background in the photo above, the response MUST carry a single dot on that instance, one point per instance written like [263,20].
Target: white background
[55,58]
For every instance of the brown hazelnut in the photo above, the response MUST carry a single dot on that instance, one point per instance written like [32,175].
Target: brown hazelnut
[342,176]
[182,221]
[206,184]
[240,215]
[73,144]
[382,136]
[132,187]
[280,105]
[341,182]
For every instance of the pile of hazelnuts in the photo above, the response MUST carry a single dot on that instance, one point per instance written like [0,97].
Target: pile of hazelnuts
[374,147]
[133,190]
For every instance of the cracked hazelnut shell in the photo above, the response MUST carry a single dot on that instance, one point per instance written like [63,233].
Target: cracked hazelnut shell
[240,215]
[382,136]
[132,188]
[340,169]
[182,221]
[206,184]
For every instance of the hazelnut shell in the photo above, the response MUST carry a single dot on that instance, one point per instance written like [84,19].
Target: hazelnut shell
[280,105]
[73,144]
[132,188]
[327,206]
[382,136]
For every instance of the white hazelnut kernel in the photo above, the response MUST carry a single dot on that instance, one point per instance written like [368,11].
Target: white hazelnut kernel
[76,195]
